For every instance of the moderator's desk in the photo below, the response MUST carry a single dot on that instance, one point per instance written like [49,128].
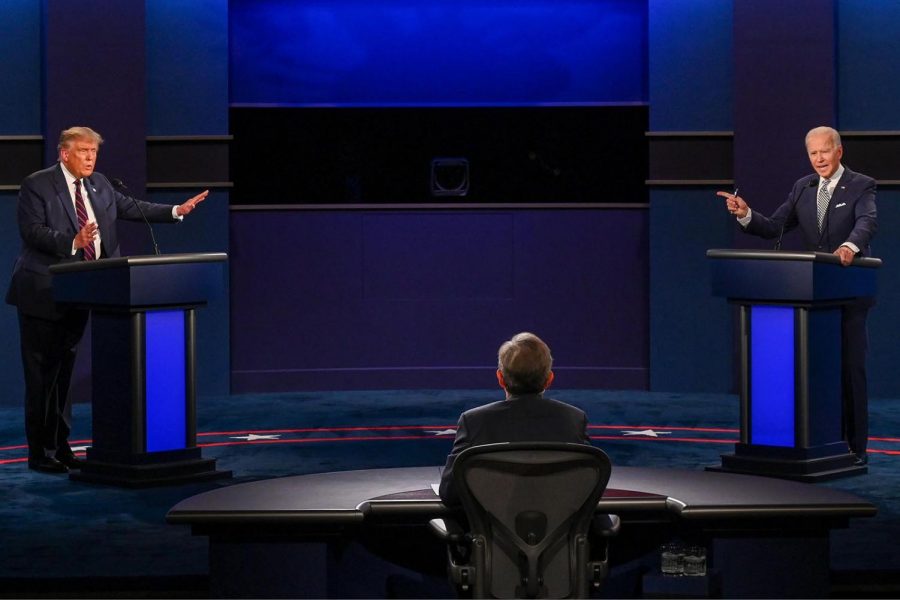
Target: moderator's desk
[341,534]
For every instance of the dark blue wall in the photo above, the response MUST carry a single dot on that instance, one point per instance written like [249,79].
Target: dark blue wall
[12,387]
[187,67]
[374,299]
[20,46]
[690,91]
[868,65]
[690,65]
[784,85]
[20,114]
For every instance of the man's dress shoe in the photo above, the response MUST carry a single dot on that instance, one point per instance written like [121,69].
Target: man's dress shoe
[70,460]
[47,464]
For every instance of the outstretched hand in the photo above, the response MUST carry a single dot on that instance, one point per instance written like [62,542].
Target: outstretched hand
[191,204]
[735,204]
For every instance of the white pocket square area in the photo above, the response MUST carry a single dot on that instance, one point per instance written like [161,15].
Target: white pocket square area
[840,205]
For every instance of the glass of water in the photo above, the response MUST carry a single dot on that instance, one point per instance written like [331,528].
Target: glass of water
[695,561]
[671,559]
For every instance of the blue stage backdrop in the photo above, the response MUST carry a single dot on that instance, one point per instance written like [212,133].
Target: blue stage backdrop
[435,52]
[868,66]
[20,46]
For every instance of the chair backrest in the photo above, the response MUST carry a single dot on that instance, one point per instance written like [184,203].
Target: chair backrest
[529,507]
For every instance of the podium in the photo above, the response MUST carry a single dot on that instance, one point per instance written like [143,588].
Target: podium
[143,327]
[790,358]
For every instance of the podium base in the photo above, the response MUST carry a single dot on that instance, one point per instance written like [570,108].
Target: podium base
[147,470]
[822,463]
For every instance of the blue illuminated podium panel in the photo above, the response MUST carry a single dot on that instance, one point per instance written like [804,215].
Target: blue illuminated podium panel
[790,306]
[143,334]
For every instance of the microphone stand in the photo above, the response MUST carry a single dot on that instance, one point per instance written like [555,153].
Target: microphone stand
[813,183]
[123,189]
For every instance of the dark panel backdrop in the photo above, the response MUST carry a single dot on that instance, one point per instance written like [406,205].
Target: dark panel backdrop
[784,85]
[382,299]
[338,290]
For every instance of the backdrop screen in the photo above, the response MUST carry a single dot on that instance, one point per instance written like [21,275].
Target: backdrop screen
[437,52]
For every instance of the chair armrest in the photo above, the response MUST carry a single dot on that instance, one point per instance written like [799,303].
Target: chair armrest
[447,530]
[606,525]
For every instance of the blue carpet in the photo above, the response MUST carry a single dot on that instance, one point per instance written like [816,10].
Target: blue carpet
[55,528]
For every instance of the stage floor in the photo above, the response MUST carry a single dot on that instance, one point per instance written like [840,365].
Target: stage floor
[58,530]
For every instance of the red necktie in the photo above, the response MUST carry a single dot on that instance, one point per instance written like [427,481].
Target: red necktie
[81,210]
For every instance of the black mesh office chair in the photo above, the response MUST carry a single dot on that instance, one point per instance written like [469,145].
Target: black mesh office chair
[530,509]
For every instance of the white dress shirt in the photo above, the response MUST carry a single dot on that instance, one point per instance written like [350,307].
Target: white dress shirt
[85,194]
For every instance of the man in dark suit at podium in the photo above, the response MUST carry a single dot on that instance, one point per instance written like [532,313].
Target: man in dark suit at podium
[834,208]
[65,213]
[524,372]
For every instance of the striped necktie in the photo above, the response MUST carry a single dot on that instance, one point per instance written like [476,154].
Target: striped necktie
[822,202]
[81,210]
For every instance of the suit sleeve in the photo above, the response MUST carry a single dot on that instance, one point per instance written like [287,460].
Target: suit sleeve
[784,218]
[31,213]
[866,214]
[127,209]
[446,490]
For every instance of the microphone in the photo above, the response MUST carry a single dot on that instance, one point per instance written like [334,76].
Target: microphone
[814,182]
[123,189]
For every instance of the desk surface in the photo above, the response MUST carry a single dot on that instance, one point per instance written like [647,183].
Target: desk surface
[353,497]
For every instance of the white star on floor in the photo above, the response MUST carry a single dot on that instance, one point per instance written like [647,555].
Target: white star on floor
[441,431]
[646,432]
[252,437]
[79,448]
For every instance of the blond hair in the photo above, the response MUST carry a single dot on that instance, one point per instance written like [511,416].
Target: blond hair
[77,133]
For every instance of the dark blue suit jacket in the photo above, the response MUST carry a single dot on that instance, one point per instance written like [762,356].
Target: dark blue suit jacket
[851,215]
[48,225]
[528,418]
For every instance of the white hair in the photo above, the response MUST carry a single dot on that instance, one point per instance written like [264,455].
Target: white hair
[835,136]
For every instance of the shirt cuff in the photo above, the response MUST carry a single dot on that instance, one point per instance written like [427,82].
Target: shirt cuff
[175,214]
[852,246]
[744,221]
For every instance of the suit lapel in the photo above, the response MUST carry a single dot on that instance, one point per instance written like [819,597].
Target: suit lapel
[63,195]
[806,210]
[840,190]
[100,202]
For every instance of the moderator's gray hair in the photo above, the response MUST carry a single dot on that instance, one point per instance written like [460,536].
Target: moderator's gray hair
[525,363]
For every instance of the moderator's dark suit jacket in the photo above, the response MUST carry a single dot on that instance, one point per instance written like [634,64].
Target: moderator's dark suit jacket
[528,418]
[48,224]
[851,215]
